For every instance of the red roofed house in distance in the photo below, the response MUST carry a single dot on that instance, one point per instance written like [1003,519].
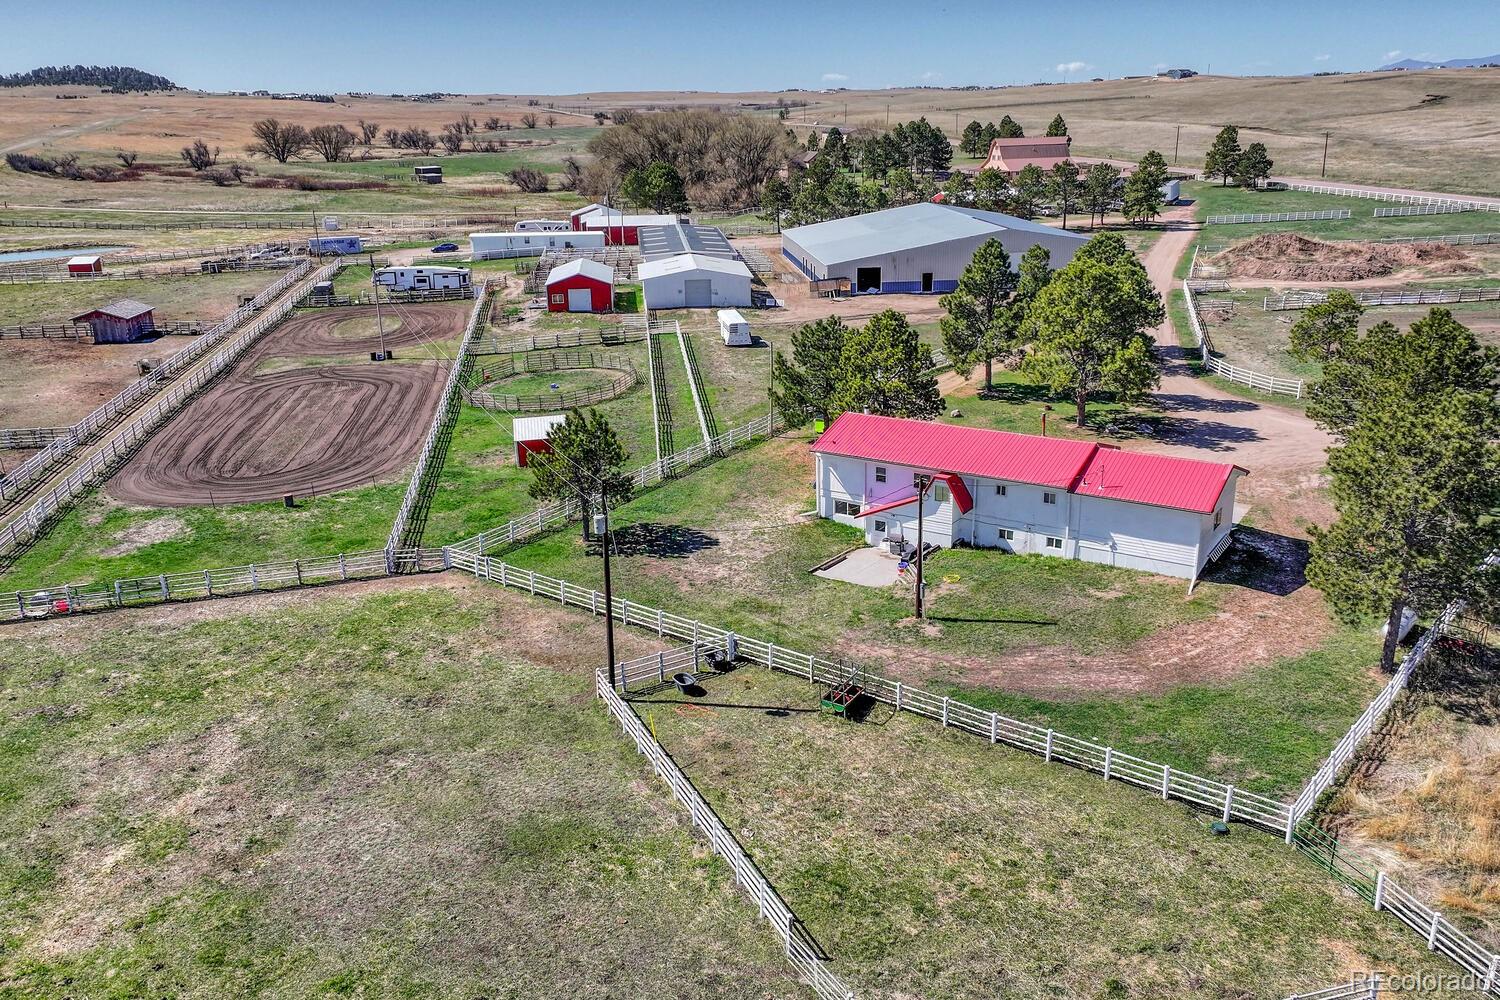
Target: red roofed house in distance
[1026,493]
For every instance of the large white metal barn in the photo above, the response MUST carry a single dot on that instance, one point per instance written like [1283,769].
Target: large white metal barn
[694,281]
[915,248]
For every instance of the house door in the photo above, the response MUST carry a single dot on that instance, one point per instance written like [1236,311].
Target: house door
[698,293]
[867,279]
[926,281]
[580,300]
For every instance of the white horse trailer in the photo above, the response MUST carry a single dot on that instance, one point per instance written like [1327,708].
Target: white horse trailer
[734,328]
[491,246]
[544,226]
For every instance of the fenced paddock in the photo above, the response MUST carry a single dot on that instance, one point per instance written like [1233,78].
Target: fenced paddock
[1301,299]
[1399,210]
[796,943]
[626,333]
[37,467]
[1453,240]
[1399,197]
[47,331]
[34,520]
[1234,373]
[477,393]
[707,426]
[1322,215]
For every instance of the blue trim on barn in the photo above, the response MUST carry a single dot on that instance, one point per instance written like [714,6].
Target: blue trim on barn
[915,288]
[791,257]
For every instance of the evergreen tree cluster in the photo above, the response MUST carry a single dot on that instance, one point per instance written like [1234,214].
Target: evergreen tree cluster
[115,78]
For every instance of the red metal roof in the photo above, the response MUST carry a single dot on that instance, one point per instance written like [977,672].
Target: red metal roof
[1075,466]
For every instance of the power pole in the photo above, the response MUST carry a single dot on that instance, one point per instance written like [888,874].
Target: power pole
[922,483]
[609,598]
[375,290]
[1325,154]
[1177,146]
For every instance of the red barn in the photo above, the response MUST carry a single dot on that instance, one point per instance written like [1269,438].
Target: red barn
[618,228]
[90,264]
[581,285]
[119,322]
[531,433]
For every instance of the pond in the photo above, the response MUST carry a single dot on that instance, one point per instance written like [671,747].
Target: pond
[12,256]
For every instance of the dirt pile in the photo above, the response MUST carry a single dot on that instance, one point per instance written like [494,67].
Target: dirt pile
[1294,257]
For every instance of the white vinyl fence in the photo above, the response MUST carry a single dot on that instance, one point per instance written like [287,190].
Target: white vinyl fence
[1395,196]
[30,437]
[555,515]
[446,410]
[1399,210]
[36,467]
[1239,220]
[28,524]
[695,383]
[224,581]
[747,876]
[1301,299]
[1454,240]
[1220,366]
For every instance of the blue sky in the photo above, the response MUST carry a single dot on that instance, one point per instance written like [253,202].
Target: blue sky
[567,46]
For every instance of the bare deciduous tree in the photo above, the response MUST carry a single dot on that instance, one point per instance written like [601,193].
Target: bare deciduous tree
[528,120]
[393,138]
[127,157]
[280,141]
[199,156]
[452,137]
[552,121]
[529,180]
[368,131]
[332,142]
[492,124]
[465,123]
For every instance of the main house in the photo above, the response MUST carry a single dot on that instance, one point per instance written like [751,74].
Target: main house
[1009,156]
[1025,493]
[915,248]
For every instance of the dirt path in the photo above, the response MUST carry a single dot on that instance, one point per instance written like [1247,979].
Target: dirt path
[258,437]
[1283,450]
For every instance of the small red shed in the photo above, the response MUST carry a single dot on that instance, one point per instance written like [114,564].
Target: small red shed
[531,433]
[581,285]
[119,322]
[89,264]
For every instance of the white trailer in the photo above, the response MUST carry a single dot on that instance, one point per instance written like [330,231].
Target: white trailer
[429,278]
[734,328]
[491,246]
[544,226]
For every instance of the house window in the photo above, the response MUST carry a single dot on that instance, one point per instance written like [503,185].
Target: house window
[1008,534]
[1054,543]
[1000,490]
[880,526]
[1218,518]
[940,493]
[880,473]
[557,298]
[846,507]
[1049,498]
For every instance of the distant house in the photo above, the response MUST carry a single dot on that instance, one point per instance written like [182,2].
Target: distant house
[119,322]
[1025,493]
[1177,74]
[1010,155]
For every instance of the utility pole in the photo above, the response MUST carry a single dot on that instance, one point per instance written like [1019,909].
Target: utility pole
[1177,146]
[609,598]
[1325,154]
[379,324]
[887,115]
[923,481]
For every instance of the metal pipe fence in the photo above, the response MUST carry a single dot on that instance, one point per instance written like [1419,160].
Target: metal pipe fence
[1453,240]
[1322,215]
[442,422]
[31,277]
[706,421]
[476,393]
[607,337]
[1219,798]
[1219,366]
[1301,299]
[102,416]
[223,581]
[31,437]
[31,522]
[796,944]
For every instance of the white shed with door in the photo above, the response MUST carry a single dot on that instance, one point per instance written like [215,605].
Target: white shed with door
[694,281]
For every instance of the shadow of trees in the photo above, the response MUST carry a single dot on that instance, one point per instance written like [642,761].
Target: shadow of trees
[657,541]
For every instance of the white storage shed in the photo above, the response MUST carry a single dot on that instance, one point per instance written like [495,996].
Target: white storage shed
[734,328]
[694,281]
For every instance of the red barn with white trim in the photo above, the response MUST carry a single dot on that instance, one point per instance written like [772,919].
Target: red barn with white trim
[581,285]
[86,264]
[531,434]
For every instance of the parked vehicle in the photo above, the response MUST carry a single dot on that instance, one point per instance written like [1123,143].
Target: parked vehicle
[445,248]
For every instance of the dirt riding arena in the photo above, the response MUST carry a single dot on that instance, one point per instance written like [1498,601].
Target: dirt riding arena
[308,429]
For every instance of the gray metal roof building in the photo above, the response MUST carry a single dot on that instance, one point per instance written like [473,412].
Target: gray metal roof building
[915,248]
[669,241]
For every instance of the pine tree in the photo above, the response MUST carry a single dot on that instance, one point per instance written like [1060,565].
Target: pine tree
[1253,166]
[806,382]
[1057,127]
[977,326]
[1143,198]
[972,143]
[1325,327]
[1009,129]
[885,368]
[1101,189]
[1028,190]
[1062,188]
[1224,155]
[586,460]
[775,199]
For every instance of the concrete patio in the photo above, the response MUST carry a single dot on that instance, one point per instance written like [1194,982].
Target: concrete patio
[868,567]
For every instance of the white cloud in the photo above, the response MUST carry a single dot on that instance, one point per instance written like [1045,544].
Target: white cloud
[835,77]
[932,74]
[1073,67]
[1393,54]
[1322,58]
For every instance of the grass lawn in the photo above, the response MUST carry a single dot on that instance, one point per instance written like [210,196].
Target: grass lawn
[1213,199]
[929,864]
[1015,404]
[406,794]
[686,431]
[736,378]
[102,539]
[199,296]
[727,545]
